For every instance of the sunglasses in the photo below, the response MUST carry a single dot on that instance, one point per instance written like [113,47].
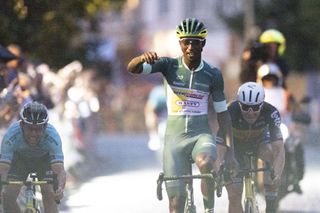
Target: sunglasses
[193,41]
[254,108]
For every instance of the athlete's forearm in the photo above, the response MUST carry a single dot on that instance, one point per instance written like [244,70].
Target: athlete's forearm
[225,125]
[278,156]
[135,65]
[4,169]
[59,170]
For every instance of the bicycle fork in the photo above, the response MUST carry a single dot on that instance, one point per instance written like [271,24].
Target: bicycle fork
[30,201]
[189,205]
[250,202]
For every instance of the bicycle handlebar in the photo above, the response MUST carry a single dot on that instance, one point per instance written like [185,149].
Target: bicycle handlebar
[51,180]
[217,177]
[268,168]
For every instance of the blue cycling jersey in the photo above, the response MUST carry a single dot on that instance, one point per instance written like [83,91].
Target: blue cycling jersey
[13,141]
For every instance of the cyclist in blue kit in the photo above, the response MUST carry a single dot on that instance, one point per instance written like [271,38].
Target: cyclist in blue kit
[189,82]
[31,144]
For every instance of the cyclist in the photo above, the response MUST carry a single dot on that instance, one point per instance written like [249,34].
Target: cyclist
[189,82]
[256,127]
[155,112]
[270,77]
[32,145]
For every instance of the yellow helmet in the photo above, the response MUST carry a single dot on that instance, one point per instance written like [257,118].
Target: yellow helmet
[274,36]
[191,27]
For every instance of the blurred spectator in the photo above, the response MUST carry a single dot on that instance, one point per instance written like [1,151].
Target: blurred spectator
[13,65]
[269,48]
[5,56]
[7,98]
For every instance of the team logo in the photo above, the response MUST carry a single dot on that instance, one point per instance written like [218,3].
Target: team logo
[188,103]
[276,117]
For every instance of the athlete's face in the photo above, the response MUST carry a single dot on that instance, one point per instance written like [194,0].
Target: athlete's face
[191,48]
[32,133]
[250,113]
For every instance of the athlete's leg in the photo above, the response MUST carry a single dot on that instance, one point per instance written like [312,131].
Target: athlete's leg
[204,154]
[270,187]
[176,204]
[49,203]
[10,195]
[235,196]
[176,162]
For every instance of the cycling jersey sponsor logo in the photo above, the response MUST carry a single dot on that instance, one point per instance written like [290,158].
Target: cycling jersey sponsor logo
[188,103]
[202,85]
[178,83]
[276,118]
[184,101]
[190,94]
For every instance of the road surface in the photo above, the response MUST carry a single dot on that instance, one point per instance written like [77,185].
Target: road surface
[125,181]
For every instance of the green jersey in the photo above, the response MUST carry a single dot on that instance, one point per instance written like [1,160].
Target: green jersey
[188,93]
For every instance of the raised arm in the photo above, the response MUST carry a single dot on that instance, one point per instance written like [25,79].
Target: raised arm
[135,65]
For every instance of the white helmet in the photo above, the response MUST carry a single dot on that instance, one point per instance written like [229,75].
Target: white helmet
[251,93]
[269,69]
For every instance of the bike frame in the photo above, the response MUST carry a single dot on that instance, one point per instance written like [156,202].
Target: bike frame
[250,202]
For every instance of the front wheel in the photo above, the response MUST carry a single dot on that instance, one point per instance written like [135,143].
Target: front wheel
[191,209]
[251,207]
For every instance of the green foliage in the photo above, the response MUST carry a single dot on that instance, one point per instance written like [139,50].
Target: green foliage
[50,30]
[298,20]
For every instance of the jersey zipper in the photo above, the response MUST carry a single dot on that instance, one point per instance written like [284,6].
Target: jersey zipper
[187,116]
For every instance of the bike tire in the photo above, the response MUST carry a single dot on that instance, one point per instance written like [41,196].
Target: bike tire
[191,209]
[249,207]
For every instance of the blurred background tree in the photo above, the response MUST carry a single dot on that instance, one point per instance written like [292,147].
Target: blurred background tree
[51,31]
[296,19]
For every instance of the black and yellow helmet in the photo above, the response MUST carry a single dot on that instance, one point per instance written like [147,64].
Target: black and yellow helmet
[191,27]
[274,36]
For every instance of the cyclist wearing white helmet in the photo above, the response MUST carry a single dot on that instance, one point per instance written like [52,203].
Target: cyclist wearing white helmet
[271,78]
[256,128]
[189,82]
[32,145]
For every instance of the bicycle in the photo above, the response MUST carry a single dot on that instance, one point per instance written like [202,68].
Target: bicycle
[250,203]
[32,202]
[190,207]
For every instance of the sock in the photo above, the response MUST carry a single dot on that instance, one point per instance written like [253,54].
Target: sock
[208,203]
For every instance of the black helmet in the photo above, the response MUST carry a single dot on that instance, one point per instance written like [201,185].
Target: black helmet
[34,113]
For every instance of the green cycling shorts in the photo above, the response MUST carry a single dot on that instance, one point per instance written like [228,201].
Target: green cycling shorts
[179,151]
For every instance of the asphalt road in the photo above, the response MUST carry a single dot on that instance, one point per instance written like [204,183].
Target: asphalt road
[123,179]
